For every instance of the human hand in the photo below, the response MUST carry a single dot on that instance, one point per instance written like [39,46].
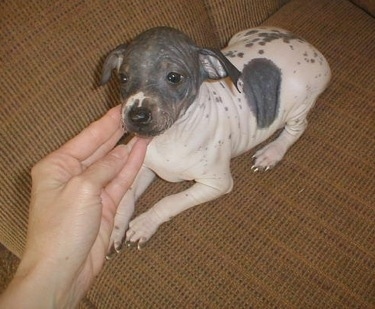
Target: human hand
[75,194]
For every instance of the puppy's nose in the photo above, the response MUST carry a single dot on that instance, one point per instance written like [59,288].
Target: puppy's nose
[140,115]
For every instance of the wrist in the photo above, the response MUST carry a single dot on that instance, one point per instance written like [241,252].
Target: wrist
[35,286]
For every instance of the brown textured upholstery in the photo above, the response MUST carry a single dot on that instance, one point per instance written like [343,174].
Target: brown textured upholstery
[299,236]
[367,5]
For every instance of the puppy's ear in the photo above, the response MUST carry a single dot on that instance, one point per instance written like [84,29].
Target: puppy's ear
[113,61]
[217,66]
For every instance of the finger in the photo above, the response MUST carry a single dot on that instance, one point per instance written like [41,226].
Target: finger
[100,173]
[106,147]
[119,185]
[103,149]
[95,135]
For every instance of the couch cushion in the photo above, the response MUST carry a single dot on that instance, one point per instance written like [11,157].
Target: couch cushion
[367,5]
[51,55]
[229,17]
[300,236]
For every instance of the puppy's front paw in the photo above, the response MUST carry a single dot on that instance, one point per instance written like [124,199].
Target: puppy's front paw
[116,240]
[268,156]
[143,227]
[121,223]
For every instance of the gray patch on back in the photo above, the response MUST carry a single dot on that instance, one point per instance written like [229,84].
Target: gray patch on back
[262,80]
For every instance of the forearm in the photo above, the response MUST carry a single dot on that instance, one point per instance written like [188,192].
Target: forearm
[35,287]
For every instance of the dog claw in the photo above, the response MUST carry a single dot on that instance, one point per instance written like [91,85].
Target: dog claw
[128,244]
[115,249]
[141,243]
[260,168]
[112,252]
[109,256]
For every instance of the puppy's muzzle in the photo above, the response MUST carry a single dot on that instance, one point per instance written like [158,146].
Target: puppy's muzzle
[144,116]
[140,116]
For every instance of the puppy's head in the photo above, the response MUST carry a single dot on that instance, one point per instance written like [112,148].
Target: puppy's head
[160,73]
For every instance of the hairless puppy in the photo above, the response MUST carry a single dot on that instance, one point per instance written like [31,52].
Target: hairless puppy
[204,106]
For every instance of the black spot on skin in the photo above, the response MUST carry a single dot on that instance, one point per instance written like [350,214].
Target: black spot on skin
[226,108]
[305,54]
[251,32]
[230,54]
[255,40]
[261,52]
[291,47]
[249,44]
[312,60]
[262,43]
[262,80]
[240,55]
[298,63]
[277,35]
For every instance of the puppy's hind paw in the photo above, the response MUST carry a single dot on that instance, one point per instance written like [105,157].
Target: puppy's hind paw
[267,157]
[256,168]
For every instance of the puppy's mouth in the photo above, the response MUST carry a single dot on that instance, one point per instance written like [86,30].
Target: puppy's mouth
[157,123]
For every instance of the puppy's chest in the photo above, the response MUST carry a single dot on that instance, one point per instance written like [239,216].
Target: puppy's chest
[176,162]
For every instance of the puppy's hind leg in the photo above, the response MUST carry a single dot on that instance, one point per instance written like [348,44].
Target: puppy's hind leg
[268,156]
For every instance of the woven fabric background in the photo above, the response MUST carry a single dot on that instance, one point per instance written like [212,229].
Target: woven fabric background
[367,5]
[299,236]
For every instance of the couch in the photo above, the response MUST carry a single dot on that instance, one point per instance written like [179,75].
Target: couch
[299,236]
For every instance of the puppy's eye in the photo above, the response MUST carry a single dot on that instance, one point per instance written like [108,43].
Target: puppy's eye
[123,78]
[174,78]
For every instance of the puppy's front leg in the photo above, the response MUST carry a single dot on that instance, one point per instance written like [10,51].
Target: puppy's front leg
[126,208]
[145,225]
